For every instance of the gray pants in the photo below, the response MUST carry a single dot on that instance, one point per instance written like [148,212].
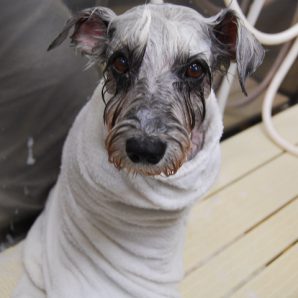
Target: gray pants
[40,94]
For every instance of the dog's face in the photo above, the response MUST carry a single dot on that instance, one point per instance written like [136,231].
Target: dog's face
[158,62]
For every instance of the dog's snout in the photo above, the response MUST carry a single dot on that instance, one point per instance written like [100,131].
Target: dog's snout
[147,150]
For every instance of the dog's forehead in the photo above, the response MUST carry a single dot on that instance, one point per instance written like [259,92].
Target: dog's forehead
[163,29]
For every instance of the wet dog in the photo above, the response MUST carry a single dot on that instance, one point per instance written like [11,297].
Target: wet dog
[140,153]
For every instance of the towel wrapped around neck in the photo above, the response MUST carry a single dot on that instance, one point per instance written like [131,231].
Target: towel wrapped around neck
[109,234]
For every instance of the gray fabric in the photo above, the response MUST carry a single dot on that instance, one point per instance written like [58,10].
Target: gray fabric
[40,94]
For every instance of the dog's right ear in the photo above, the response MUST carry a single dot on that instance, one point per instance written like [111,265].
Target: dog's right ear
[233,42]
[90,30]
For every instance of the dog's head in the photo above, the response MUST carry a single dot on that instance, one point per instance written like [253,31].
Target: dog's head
[158,62]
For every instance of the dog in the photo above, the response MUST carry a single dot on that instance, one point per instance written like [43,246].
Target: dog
[141,152]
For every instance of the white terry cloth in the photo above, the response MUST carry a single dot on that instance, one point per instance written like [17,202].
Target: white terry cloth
[108,234]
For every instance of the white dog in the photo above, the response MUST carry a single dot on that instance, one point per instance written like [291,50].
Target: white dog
[114,223]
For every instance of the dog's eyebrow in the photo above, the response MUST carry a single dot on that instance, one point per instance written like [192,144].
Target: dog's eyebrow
[181,59]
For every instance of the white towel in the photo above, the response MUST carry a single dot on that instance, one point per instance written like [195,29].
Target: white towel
[108,234]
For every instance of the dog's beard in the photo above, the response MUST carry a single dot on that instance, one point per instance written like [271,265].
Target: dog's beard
[177,152]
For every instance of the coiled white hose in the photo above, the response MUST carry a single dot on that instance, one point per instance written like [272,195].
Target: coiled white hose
[272,39]
[269,97]
[156,1]
[264,38]
[226,85]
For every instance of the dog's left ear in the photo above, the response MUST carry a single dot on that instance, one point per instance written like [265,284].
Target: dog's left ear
[90,30]
[233,42]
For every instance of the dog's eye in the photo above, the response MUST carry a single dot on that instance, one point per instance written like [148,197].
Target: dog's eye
[194,70]
[120,64]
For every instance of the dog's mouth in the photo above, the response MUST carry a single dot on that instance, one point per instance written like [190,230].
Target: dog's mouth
[152,155]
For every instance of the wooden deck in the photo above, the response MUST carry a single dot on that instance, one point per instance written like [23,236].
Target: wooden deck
[242,239]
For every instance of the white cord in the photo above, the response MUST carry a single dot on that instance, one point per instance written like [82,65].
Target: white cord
[264,38]
[156,1]
[225,87]
[269,97]
[254,11]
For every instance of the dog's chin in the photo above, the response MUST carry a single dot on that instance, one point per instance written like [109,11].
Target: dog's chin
[145,169]
[150,171]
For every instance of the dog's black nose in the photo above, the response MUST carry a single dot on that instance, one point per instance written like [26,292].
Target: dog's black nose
[148,149]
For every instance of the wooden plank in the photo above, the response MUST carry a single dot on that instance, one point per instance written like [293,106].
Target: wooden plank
[236,264]
[11,270]
[279,279]
[224,217]
[251,148]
